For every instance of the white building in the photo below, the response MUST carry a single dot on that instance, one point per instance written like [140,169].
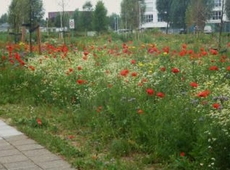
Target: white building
[217,12]
[215,19]
[151,18]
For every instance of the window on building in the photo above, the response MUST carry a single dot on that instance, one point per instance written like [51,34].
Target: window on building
[217,3]
[148,18]
[216,15]
[159,19]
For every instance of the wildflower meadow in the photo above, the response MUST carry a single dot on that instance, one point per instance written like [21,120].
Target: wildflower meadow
[110,102]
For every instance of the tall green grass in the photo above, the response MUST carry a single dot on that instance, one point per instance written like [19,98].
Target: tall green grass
[115,112]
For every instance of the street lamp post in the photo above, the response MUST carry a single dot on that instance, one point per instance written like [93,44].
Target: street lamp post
[115,23]
[30,26]
[61,19]
[167,21]
[47,26]
[140,15]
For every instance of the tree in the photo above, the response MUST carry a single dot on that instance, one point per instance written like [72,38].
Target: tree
[32,12]
[227,8]
[114,21]
[198,12]
[76,17]
[88,6]
[178,12]
[100,19]
[224,8]
[131,13]
[3,18]
[164,8]
[86,16]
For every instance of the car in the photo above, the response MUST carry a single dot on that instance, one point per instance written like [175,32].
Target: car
[208,29]
[182,31]
[121,31]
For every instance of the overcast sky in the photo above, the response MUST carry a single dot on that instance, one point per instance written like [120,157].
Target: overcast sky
[113,6]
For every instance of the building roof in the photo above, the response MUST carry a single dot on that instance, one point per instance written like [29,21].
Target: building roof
[56,13]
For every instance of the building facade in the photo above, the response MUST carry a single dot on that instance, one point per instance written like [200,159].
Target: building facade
[215,19]
[151,17]
[217,12]
[53,15]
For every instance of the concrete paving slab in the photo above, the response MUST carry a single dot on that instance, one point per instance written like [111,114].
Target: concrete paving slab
[54,164]
[45,158]
[60,168]
[20,165]
[9,152]
[22,142]
[18,152]
[3,143]
[27,147]
[2,123]
[9,132]
[6,147]
[37,152]
[26,168]
[13,159]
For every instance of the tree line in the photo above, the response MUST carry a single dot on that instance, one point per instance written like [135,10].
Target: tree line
[177,13]
[88,19]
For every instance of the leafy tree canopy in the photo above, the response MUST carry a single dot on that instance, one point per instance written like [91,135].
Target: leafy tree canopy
[100,17]
[32,10]
[3,18]
[131,13]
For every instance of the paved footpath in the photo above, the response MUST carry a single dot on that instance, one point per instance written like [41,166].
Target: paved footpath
[18,152]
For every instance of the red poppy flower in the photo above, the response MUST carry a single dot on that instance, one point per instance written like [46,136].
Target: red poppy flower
[32,68]
[194,84]
[70,136]
[204,53]
[213,52]
[139,111]
[133,61]
[3,58]
[99,109]
[144,80]
[85,57]
[213,68]
[160,94]
[228,68]
[163,69]
[22,63]
[182,154]
[107,71]
[86,53]
[70,69]
[204,93]
[150,91]
[216,105]
[124,72]
[175,70]
[182,52]
[39,122]
[80,81]
[79,68]
[184,46]
[134,74]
